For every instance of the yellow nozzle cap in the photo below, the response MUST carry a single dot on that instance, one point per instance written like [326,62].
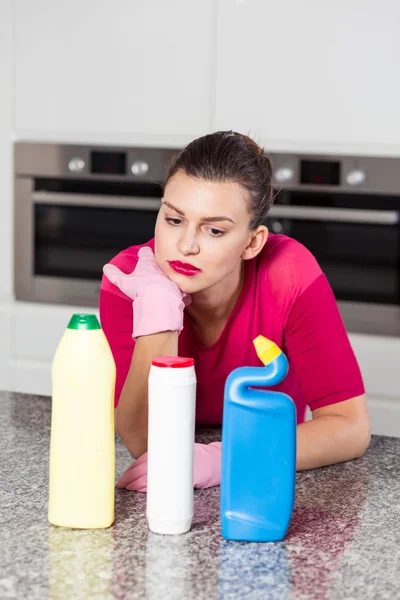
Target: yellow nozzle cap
[266,350]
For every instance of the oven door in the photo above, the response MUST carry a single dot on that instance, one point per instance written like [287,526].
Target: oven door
[63,240]
[359,252]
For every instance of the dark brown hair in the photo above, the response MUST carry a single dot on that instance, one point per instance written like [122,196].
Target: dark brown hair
[227,156]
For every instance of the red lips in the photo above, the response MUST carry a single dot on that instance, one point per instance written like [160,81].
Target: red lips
[184,268]
[184,265]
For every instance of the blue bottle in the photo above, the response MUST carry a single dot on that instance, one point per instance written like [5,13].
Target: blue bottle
[258,475]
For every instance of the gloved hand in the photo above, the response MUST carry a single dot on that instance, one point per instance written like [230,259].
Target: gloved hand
[158,301]
[206,469]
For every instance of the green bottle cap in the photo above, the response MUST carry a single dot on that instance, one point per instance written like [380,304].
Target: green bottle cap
[84,321]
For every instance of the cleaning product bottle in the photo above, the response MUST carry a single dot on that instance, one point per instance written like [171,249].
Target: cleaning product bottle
[258,474]
[82,446]
[172,411]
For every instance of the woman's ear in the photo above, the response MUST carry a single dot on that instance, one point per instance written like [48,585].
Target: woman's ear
[257,242]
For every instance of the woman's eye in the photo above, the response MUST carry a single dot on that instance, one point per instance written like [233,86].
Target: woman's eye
[172,221]
[216,232]
[211,230]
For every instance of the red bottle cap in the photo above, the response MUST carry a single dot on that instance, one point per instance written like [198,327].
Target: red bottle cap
[173,362]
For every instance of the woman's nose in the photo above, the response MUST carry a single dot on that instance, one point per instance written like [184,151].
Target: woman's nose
[188,243]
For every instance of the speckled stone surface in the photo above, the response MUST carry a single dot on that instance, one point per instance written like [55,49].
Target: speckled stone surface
[343,541]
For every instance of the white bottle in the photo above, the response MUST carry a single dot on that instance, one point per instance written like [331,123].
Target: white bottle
[171,426]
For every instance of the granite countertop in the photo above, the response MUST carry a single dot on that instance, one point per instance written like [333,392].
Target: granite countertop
[343,540]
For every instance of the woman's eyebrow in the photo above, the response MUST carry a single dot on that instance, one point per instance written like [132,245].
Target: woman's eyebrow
[206,219]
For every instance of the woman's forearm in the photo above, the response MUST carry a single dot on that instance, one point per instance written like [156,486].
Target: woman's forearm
[131,418]
[329,439]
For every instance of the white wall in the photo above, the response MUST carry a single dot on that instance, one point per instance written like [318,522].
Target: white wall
[6,166]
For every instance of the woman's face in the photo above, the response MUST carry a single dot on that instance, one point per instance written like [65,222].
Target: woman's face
[204,225]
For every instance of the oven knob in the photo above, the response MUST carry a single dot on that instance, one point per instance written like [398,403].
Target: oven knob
[139,167]
[76,165]
[277,227]
[355,177]
[283,174]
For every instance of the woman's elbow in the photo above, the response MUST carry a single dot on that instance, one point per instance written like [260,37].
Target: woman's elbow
[134,443]
[363,438]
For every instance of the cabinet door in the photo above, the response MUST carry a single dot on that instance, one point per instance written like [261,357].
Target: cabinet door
[384,414]
[310,75]
[34,336]
[6,187]
[378,358]
[125,68]
[5,346]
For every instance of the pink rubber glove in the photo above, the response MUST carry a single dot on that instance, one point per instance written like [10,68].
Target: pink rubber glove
[158,301]
[206,469]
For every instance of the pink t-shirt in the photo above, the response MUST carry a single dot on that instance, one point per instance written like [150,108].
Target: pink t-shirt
[286,298]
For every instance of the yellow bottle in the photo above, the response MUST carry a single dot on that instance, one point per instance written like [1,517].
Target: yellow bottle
[82,446]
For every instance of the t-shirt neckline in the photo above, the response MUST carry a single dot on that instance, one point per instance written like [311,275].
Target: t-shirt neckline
[249,266]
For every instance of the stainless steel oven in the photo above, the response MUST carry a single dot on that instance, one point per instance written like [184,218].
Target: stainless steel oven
[77,206]
[346,210]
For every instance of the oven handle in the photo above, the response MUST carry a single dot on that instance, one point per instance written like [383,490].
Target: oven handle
[343,215]
[279,211]
[136,202]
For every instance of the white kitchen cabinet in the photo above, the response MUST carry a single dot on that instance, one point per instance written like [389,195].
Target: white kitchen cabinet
[384,414]
[6,187]
[379,360]
[30,334]
[125,69]
[310,76]
[5,346]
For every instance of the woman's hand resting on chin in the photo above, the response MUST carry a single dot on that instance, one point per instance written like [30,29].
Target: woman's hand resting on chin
[158,301]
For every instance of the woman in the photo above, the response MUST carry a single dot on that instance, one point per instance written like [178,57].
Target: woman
[212,280]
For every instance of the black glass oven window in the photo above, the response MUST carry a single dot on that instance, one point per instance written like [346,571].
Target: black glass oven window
[360,260]
[75,241]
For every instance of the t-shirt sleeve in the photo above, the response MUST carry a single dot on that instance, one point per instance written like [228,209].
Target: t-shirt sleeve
[318,346]
[116,317]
